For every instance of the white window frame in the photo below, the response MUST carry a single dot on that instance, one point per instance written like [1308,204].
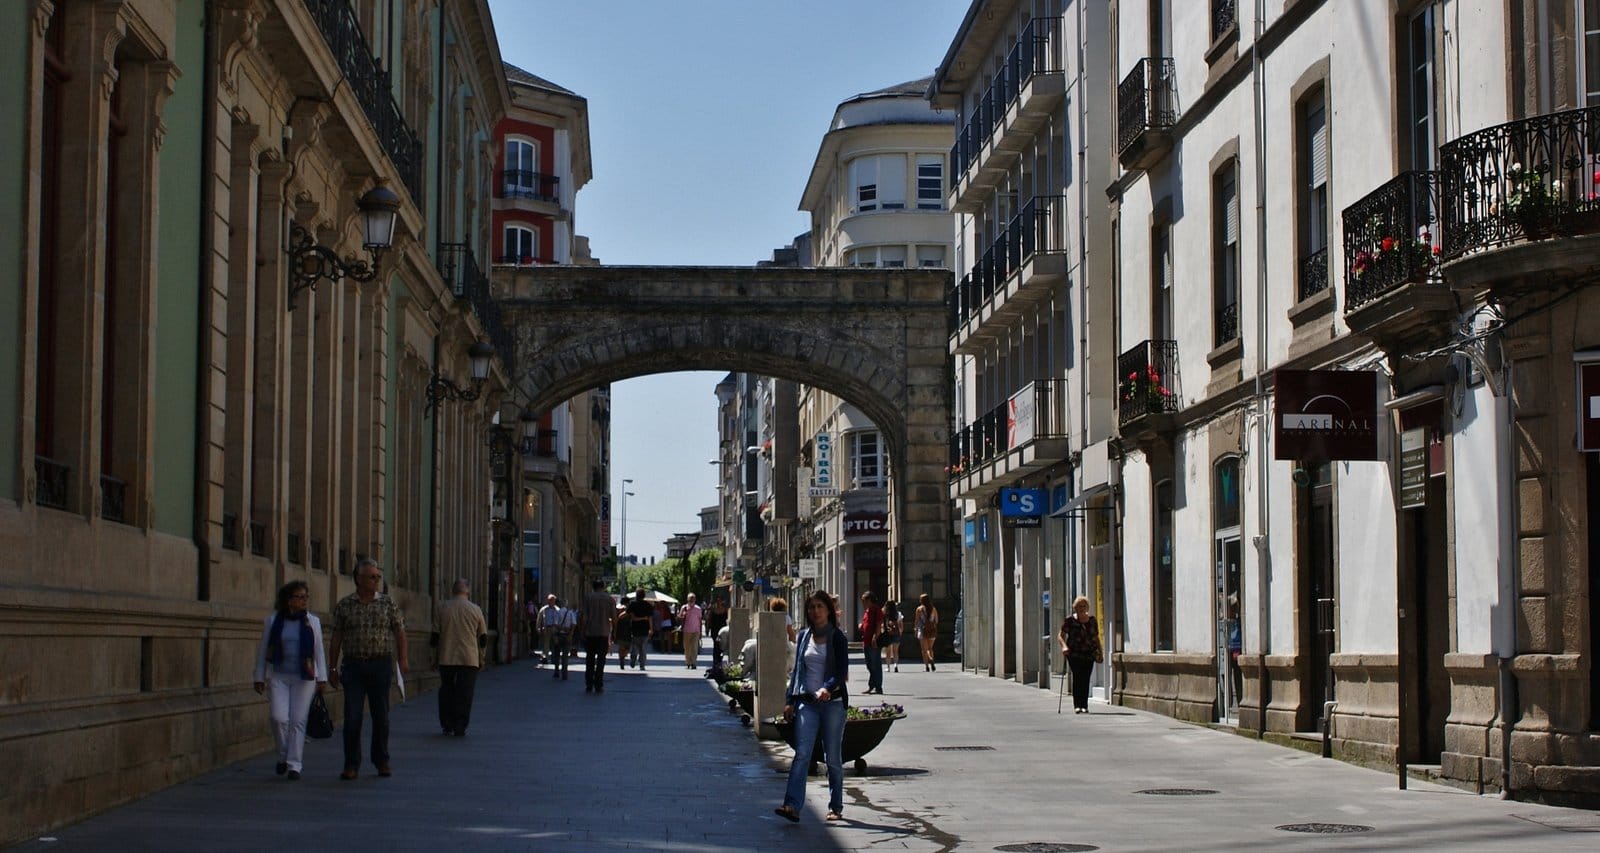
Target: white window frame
[867,463]
[523,183]
[529,233]
[930,182]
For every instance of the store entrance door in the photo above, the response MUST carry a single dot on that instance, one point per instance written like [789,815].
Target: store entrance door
[1230,632]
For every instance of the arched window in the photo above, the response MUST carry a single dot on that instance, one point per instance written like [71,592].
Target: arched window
[521,246]
[521,176]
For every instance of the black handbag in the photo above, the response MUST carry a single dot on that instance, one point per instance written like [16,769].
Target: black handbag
[319,723]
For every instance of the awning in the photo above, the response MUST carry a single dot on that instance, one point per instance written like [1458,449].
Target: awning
[1071,507]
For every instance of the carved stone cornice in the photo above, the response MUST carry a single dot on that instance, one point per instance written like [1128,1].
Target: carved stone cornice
[43,10]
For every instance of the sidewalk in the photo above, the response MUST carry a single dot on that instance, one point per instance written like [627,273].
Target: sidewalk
[657,763]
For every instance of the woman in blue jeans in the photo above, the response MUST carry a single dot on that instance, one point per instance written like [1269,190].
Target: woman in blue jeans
[816,703]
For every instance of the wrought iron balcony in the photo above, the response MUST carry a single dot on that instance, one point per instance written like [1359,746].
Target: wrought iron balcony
[1003,428]
[459,266]
[1147,381]
[52,478]
[1030,56]
[1226,326]
[370,83]
[1040,228]
[1313,274]
[1523,180]
[113,498]
[1388,238]
[1147,109]
[1224,14]
[515,183]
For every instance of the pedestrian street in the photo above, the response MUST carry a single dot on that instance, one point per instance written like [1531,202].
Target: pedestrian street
[658,763]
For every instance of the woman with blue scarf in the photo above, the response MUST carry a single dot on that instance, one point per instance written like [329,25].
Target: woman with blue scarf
[816,703]
[291,667]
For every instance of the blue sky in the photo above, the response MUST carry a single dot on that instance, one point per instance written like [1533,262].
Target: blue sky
[704,119]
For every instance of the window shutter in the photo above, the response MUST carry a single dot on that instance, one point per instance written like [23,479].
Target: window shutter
[892,180]
[1230,202]
[1317,137]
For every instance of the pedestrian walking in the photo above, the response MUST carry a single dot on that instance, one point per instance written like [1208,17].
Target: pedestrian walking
[622,634]
[370,632]
[460,640]
[561,641]
[691,617]
[290,668]
[549,617]
[926,623]
[595,620]
[889,637]
[716,620]
[641,622]
[815,704]
[869,629]
[1080,642]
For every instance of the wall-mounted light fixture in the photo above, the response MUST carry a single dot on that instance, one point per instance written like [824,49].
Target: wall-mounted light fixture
[500,444]
[310,262]
[441,388]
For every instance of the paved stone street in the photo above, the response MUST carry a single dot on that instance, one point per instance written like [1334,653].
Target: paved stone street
[657,763]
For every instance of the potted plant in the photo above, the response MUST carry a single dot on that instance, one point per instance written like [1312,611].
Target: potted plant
[1531,202]
[742,696]
[864,728]
[1144,386]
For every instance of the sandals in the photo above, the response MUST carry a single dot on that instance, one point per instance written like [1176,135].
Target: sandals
[833,816]
[787,813]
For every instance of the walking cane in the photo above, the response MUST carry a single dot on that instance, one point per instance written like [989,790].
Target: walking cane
[1061,692]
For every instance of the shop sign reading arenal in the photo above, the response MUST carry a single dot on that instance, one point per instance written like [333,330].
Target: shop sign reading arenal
[1325,415]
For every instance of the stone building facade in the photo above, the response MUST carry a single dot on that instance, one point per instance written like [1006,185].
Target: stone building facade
[213,386]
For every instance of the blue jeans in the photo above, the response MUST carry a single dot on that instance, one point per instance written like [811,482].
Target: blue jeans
[874,656]
[638,647]
[366,680]
[810,719]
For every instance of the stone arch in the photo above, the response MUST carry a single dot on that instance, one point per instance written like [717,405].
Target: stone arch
[876,337]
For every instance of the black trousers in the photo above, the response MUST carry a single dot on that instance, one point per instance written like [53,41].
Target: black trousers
[1081,669]
[456,684]
[594,662]
[366,681]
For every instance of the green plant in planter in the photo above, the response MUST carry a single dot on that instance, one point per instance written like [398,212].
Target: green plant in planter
[1531,201]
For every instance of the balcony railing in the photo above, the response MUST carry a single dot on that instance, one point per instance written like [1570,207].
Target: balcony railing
[1147,99]
[1226,324]
[1000,430]
[113,498]
[1526,179]
[1388,237]
[52,478]
[1039,228]
[459,267]
[516,183]
[1031,55]
[1313,274]
[522,261]
[1147,381]
[291,547]
[1224,13]
[371,85]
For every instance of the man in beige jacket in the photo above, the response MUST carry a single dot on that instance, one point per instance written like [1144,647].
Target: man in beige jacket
[460,639]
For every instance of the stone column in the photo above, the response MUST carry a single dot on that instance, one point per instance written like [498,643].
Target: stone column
[772,655]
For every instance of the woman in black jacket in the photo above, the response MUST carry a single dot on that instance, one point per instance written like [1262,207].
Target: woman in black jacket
[816,703]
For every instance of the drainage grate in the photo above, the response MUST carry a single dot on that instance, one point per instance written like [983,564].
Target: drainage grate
[1326,828]
[1178,792]
[964,748]
[1045,847]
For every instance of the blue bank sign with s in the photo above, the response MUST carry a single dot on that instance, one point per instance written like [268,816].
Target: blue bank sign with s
[1022,507]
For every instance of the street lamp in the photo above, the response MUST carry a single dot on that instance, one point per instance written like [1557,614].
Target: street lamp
[310,262]
[441,388]
[624,544]
[498,439]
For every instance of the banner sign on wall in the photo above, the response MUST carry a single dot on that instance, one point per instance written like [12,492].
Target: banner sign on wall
[1019,418]
[1323,415]
[823,477]
[1589,406]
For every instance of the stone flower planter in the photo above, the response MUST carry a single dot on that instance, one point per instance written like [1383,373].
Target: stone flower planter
[861,736]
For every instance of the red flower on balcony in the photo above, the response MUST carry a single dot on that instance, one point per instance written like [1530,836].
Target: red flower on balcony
[1145,384]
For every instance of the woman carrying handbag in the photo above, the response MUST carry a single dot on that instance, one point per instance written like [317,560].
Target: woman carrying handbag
[291,667]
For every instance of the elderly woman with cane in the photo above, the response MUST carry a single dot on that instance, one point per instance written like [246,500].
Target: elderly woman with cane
[1080,642]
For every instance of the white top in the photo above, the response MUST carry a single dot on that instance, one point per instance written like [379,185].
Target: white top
[816,664]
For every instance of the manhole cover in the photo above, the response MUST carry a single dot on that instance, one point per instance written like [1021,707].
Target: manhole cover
[963,748]
[1177,792]
[1325,828]
[1045,847]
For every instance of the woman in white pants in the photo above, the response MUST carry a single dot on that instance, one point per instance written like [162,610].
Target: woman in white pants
[291,666]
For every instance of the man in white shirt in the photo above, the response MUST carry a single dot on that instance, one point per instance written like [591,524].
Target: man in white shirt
[549,620]
[561,638]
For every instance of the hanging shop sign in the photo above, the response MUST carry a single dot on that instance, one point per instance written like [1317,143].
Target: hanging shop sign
[1414,468]
[822,477]
[1019,417]
[1325,415]
[810,568]
[871,524]
[1022,507]
[1589,406]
